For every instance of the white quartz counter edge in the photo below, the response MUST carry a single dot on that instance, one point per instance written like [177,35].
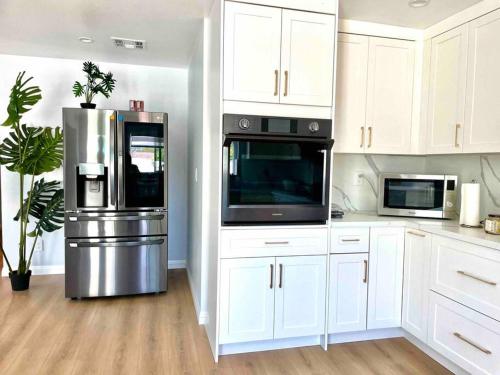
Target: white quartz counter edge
[440,227]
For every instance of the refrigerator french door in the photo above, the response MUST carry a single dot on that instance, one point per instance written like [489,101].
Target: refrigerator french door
[115,179]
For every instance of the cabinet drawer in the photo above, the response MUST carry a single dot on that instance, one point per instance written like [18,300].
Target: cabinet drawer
[467,273]
[273,242]
[350,240]
[464,336]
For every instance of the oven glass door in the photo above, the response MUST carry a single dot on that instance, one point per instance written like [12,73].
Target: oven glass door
[413,194]
[275,173]
[144,164]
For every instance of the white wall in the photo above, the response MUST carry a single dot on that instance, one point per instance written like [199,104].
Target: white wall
[162,89]
[196,252]
[466,167]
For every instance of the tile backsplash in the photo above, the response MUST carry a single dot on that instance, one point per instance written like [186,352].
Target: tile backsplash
[353,193]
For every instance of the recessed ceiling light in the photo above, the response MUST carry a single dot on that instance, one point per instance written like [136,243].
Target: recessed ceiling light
[418,3]
[86,39]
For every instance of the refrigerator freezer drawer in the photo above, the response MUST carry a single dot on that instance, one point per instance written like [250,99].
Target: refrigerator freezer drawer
[112,267]
[123,224]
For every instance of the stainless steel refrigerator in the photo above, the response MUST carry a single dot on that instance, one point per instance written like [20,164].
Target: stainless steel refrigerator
[115,200]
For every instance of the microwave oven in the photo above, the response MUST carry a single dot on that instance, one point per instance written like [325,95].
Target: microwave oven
[415,195]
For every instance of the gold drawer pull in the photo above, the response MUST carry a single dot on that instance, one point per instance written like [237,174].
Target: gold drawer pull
[276,79]
[472,343]
[365,279]
[350,240]
[362,137]
[286,83]
[478,278]
[416,233]
[276,243]
[370,136]
[457,128]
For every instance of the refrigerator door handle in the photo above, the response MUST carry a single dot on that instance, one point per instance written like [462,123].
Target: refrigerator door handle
[120,124]
[112,160]
[117,218]
[117,243]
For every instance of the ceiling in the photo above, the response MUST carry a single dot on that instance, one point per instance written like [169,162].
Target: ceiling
[50,28]
[398,13]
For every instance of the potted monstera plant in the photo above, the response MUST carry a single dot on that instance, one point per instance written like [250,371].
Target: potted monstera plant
[97,83]
[30,152]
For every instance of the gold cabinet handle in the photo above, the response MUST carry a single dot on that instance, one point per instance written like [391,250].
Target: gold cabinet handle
[362,137]
[471,343]
[370,136]
[365,278]
[457,128]
[272,276]
[478,278]
[276,83]
[350,240]
[416,233]
[286,83]
[281,277]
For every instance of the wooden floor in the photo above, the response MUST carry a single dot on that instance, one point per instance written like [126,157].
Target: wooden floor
[41,332]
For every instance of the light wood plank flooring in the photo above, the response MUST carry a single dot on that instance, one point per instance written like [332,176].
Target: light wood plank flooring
[41,332]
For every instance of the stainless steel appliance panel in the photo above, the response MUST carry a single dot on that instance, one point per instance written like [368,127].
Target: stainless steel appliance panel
[146,119]
[89,137]
[116,224]
[111,267]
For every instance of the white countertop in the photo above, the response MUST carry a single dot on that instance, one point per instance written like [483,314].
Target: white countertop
[447,228]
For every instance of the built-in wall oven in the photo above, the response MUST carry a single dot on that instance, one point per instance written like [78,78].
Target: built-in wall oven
[275,170]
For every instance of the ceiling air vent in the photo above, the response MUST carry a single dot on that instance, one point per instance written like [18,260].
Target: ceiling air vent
[128,43]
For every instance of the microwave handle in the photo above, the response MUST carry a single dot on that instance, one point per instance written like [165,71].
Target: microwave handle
[328,143]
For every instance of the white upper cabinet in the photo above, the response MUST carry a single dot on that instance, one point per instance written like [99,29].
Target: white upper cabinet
[416,283]
[307,51]
[385,282]
[246,300]
[320,6]
[252,40]
[348,292]
[389,104]
[352,80]
[482,110]
[274,55]
[447,92]
[374,99]
[300,296]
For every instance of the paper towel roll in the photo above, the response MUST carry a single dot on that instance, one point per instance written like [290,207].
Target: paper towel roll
[469,210]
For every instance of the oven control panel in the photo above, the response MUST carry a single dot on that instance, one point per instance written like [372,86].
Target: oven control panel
[277,126]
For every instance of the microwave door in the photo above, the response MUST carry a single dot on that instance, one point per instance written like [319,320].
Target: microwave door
[142,161]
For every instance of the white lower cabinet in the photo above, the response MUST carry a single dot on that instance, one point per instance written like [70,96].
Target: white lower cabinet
[464,336]
[385,285]
[246,300]
[348,293]
[271,298]
[300,293]
[416,283]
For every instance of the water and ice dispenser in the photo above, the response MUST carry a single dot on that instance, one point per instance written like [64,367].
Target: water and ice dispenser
[92,185]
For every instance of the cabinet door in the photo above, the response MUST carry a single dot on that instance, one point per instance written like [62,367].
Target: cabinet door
[385,285]
[447,92]
[246,300]
[350,107]
[482,110]
[390,96]
[252,38]
[416,283]
[348,293]
[308,41]
[300,296]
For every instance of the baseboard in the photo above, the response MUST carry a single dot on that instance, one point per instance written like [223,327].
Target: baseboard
[259,346]
[59,269]
[372,334]
[201,315]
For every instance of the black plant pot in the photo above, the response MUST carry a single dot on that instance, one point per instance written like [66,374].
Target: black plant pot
[20,282]
[88,105]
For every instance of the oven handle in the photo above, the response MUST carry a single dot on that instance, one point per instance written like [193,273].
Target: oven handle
[117,243]
[327,143]
[117,218]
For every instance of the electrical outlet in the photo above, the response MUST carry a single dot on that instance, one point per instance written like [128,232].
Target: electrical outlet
[39,245]
[356,178]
